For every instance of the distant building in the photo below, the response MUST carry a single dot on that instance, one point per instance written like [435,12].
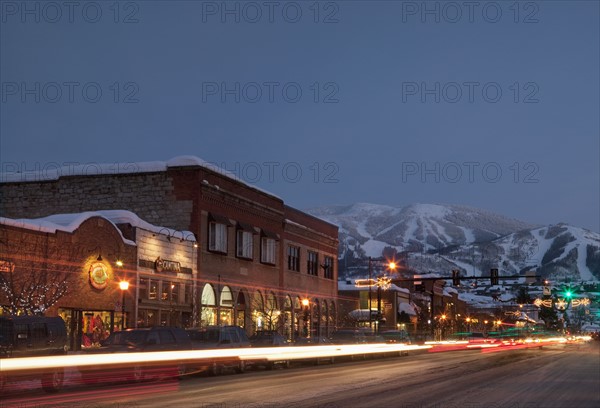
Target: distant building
[360,304]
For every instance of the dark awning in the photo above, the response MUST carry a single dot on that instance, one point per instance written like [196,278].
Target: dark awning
[246,227]
[269,234]
[219,219]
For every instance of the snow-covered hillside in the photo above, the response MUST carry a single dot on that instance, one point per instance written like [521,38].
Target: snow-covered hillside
[433,237]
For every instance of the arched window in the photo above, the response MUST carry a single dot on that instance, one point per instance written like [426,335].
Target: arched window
[272,312]
[208,304]
[258,314]
[226,309]
[241,309]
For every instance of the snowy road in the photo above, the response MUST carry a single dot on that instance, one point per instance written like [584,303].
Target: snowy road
[562,376]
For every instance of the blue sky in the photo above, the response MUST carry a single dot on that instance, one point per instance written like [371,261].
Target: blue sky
[488,104]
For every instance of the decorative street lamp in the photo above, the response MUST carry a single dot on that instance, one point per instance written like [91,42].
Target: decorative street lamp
[124,285]
[381,282]
[305,303]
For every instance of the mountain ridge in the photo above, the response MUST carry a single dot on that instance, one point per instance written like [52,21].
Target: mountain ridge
[467,237]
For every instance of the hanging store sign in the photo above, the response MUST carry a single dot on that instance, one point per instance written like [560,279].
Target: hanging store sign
[98,275]
[163,265]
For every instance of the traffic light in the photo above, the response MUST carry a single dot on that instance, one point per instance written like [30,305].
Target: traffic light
[455,277]
[494,276]
[568,293]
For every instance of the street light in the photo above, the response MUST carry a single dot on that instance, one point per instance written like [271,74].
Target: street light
[305,303]
[124,285]
[381,281]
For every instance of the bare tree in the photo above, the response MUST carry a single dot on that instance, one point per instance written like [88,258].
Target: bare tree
[41,274]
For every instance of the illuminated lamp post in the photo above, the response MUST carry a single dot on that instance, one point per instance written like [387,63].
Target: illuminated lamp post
[124,285]
[305,303]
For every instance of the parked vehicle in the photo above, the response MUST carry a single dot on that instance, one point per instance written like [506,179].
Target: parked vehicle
[140,340]
[348,336]
[396,336]
[32,336]
[217,337]
[315,341]
[269,338]
[147,339]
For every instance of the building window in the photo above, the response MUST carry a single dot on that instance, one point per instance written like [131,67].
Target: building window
[143,287]
[165,291]
[267,250]
[153,293]
[328,267]
[188,294]
[217,237]
[174,292]
[294,258]
[312,263]
[244,244]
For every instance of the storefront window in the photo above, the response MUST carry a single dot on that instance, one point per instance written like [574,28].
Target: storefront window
[147,318]
[166,286]
[96,327]
[226,316]
[153,295]
[174,292]
[143,288]
[241,318]
[209,311]
[241,310]
[258,307]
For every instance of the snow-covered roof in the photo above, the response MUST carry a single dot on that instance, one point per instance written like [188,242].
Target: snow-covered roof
[96,169]
[351,285]
[476,300]
[58,222]
[407,308]
[71,221]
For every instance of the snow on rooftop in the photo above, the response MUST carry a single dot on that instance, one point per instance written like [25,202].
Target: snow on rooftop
[53,171]
[70,222]
[58,222]
[350,284]
[477,300]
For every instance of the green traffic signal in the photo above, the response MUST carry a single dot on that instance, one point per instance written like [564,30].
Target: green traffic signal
[568,294]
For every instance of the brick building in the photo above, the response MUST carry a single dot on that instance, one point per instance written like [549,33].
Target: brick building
[75,256]
[260,263]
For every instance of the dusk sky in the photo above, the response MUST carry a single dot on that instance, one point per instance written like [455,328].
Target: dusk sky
[494,105]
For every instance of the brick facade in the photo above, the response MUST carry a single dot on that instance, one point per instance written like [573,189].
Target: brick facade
[187,196]
[39,256]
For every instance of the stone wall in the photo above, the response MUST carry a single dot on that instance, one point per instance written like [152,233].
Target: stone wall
[150,195]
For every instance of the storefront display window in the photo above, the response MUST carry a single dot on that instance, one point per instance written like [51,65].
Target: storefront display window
[208,315]
[147,318]
[87,329]
[153,294]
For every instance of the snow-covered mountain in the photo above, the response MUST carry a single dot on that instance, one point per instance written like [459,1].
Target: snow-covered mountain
[432,237]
